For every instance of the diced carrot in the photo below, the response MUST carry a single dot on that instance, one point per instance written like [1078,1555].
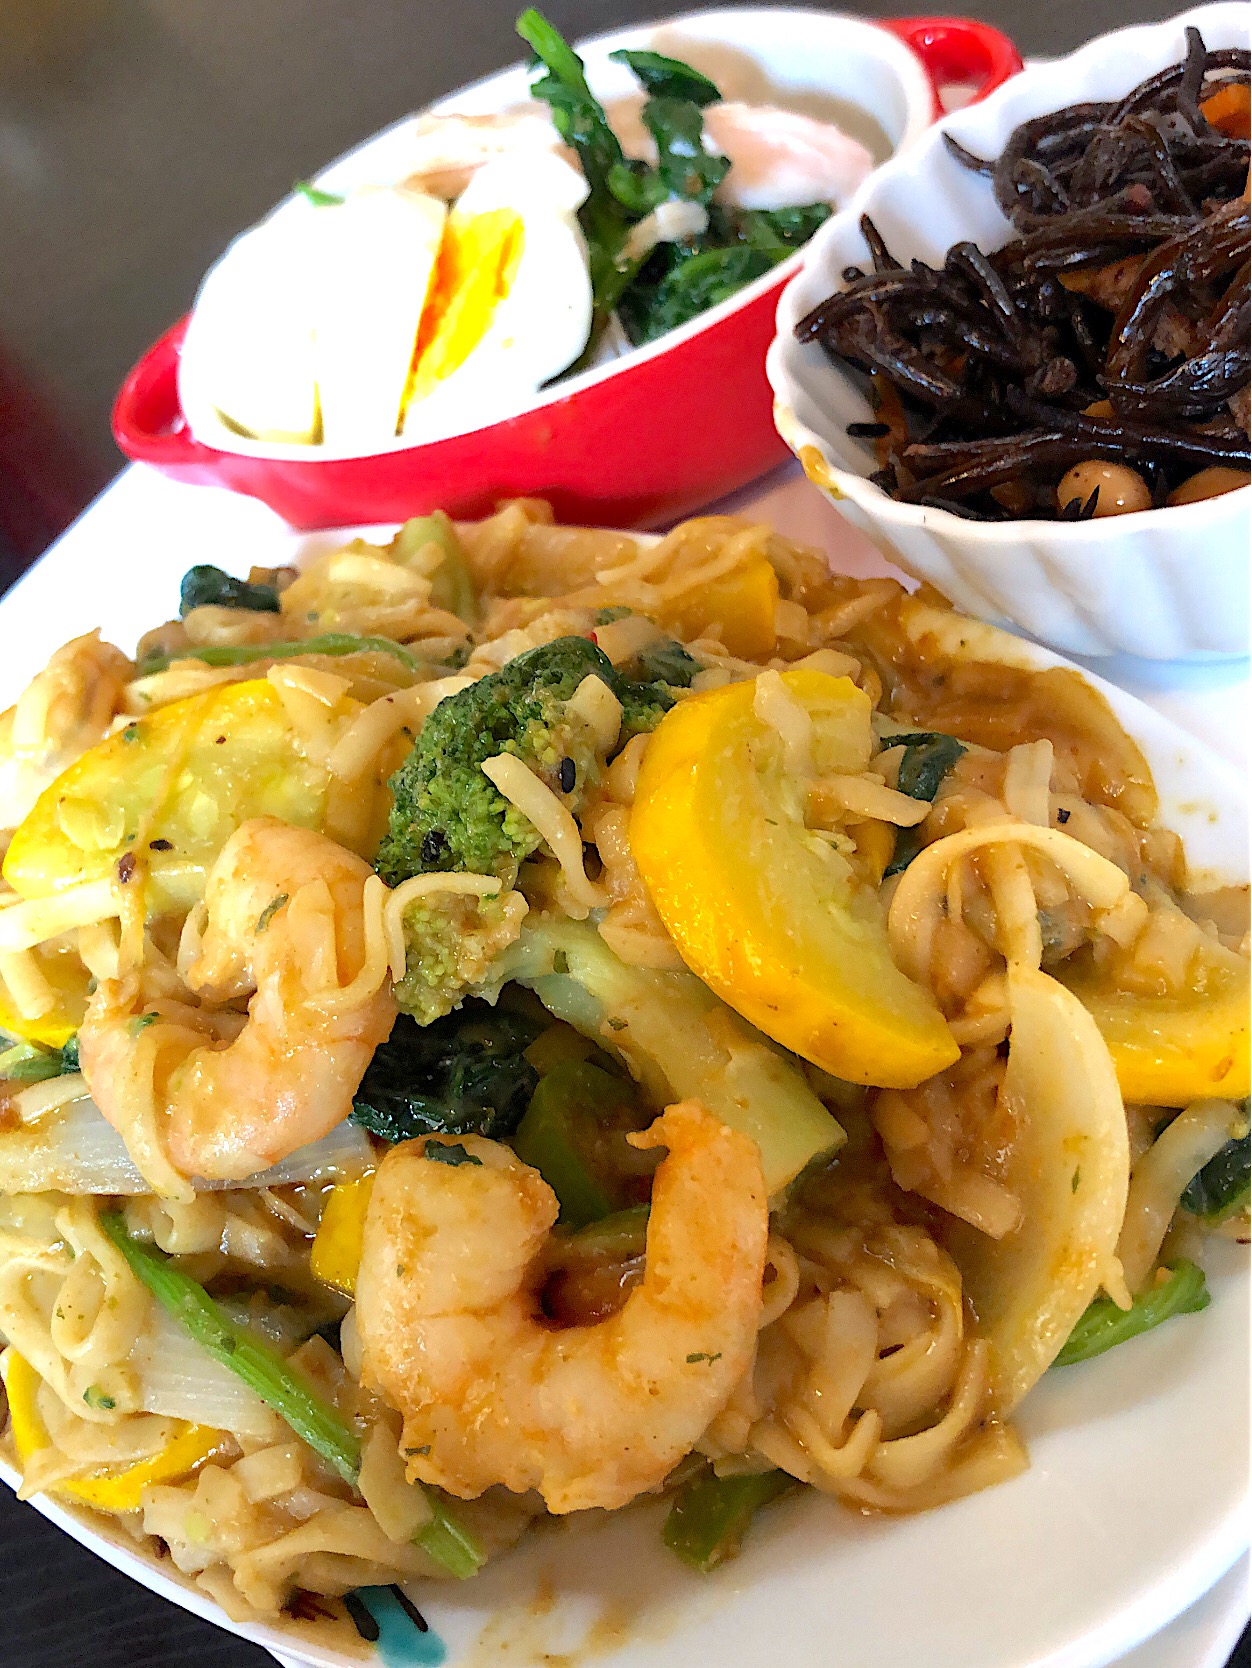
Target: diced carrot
[1229,110]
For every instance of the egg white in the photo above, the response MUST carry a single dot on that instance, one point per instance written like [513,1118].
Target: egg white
[542,324]
[249,346]
[371,269]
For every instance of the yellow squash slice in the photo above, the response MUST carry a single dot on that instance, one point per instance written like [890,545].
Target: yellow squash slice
[740,607]
[1068,1163]
[70,984]
[336,1251]
[769,915]
[117,1489]
[1169,1051]
[170,788]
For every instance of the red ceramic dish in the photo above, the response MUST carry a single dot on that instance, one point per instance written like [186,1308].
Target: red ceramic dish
[646,440]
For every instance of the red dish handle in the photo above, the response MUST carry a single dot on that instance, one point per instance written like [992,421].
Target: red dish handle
[148,421]
[958,51]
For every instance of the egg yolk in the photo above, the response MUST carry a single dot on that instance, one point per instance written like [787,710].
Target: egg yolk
[477,261]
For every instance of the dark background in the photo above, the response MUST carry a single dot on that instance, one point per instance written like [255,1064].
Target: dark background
[136,138]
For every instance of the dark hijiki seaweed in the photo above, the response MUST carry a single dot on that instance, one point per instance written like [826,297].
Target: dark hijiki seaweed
[998,356]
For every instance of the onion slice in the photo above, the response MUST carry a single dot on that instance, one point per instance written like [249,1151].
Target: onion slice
[74,1150]
[1069,1165]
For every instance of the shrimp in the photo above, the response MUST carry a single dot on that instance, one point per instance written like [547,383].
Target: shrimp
[283,918]
[63,711]
[451,1331]
[778,158]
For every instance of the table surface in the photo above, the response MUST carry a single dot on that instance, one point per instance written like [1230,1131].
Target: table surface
[136,137]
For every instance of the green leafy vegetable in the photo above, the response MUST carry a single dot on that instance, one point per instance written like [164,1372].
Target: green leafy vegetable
[206,586]
[580,120]
[279,1386]
[678,281]
[776,231]
[465,1074]
[711,1515]
[27,1062]
[665,661]
[1103,1325]
[449,1152]
[242,654]
[928,757]
[693,280]
[685,167]
[656,292]
[318,197]
[664,77]
[1223,1187]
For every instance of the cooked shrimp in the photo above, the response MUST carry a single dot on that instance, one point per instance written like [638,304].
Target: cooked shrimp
[63,711]
[451,1331]
[283,918]
[778,158]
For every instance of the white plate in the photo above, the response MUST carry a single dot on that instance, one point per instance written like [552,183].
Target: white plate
[1135,1501]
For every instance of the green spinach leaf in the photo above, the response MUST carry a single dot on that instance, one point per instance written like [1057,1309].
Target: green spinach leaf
[664,77]
[466,1074]
[665,661]
[928,758]
[205,585]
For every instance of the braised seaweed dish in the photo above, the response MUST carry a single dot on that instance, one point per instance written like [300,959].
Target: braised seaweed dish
[1098,362]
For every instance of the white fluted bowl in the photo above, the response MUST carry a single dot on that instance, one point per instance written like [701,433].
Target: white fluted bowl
[1167,584]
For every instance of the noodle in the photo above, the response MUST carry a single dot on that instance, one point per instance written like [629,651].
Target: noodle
[536,801]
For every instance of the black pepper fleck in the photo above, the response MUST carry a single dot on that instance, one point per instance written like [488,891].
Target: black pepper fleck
[1062,816]
[567,774]
[160,845]
[126,866]
[434,844]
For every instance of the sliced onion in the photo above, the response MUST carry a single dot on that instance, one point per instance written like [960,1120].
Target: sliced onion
[74,1150]
[180,1380]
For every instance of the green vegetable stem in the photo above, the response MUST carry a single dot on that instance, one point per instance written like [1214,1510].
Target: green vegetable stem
[711,1515]
[313,1420]
[557,1136]
[242,654]
[1103,1325]
[452,585]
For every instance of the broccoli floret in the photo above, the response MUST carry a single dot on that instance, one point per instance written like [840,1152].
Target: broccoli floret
[452,942]
[448,816]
